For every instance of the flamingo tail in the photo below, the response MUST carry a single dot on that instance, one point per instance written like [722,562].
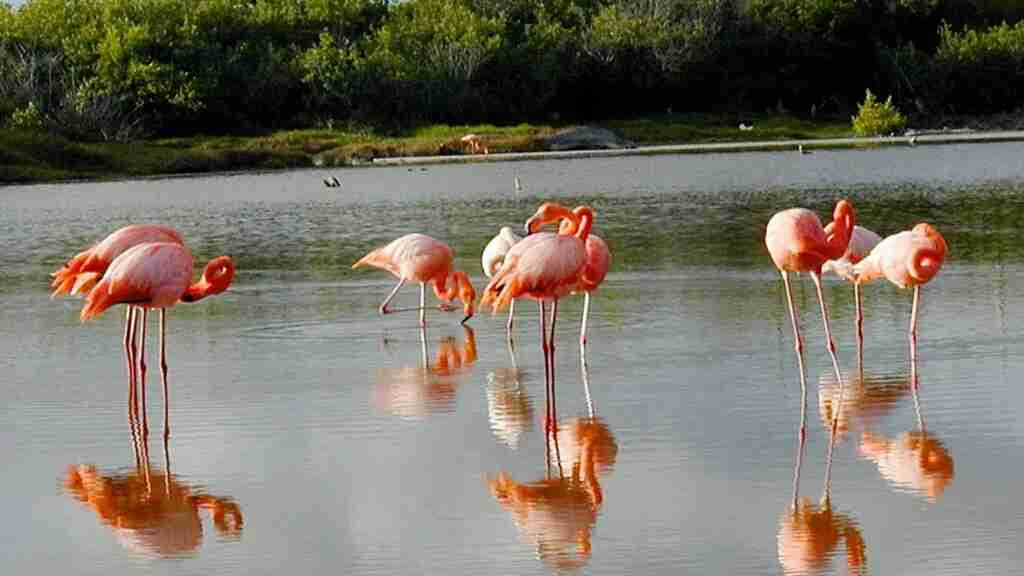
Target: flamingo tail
[98,300]
[376,258]
[85,281]
[69,270]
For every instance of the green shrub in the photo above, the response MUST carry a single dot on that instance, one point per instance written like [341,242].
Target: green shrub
[26,118]
[874,118]
[980,71]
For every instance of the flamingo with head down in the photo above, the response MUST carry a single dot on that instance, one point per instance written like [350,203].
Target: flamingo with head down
[420,258]
[908,259]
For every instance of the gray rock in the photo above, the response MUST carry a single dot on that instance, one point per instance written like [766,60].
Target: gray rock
[585,138]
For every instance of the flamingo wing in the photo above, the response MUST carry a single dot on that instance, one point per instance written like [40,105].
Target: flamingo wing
[153,275]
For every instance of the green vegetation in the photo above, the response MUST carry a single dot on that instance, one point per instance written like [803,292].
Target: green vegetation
[876,118]
[369,72]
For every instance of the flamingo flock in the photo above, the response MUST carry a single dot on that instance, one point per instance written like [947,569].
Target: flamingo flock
[148,267]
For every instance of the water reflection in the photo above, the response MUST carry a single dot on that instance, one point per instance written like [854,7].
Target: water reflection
[916,460]
[415,392]
[509,406]
[866,398]
[150,510]
[809,534]
[557,514]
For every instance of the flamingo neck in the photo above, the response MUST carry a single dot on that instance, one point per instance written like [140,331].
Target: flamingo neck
[216,278]
[585,217]
[840,230]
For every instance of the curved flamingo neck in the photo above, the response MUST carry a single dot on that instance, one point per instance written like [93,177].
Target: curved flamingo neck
[840,230]
[216,278]
[586,221]
[926,262]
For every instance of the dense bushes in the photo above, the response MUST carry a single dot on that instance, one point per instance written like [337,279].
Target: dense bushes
[117,69]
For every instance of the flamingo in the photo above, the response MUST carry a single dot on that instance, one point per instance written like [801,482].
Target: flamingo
[598,260]
[907,259]
[85,269]
[862,241]
[545,267]
[492,258]
[157,275]
[420,258]
[797,242]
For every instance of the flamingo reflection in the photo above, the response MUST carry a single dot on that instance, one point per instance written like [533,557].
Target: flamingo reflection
[808,534]
[509,407]
[865,399]
[418,391]
[915,460]
[557,514]
[150,510]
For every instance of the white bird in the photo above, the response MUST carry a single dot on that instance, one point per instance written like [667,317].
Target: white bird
[862,242]
[493,257]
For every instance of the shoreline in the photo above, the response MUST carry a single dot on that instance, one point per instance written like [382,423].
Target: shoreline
[914,138]
[923,138]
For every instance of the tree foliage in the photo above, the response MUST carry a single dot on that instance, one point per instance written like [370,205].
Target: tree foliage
[122,68]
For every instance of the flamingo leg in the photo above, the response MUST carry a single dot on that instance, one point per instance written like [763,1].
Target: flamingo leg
[163,372]
[423,304]
[547,388]
[142,371]
[799,359]
[511,315]
[800,446]
[551,350]
[384,305]
[860,321]
[583,325]
[839,378]
[913,336]
[129,321]
[829,342]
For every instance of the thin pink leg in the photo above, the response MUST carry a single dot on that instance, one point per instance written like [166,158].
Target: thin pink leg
[383,308]
[142,371]
[511,315]
[423,304]
[829,342]
[859,321]
[163,371]
[129,321]
[583,325]
[913,336]
[551,349]
[799,353]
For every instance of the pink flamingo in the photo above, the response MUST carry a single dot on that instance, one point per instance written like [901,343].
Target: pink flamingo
[420,258]
[157,275]
[545,267]
[492,258]
[907,259]
[83,271]
[797,242]
[598,260]
[862,241]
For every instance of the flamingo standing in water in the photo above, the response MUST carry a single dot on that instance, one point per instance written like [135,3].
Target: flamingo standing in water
[83,271]
[862,242]
[598,260]
[907,259]
[492,258]
[797,242]
[420,258]
[157,275]
[544,266]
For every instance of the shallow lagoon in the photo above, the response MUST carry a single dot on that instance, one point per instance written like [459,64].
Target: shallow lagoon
[341,449]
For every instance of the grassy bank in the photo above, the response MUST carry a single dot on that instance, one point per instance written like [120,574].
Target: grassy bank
[36,158]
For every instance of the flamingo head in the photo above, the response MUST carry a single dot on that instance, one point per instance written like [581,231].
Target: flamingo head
[216,278]
[466,293]
[927,261]
[839,231]
[548,212]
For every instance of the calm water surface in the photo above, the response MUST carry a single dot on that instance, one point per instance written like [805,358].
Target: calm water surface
[310,434]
